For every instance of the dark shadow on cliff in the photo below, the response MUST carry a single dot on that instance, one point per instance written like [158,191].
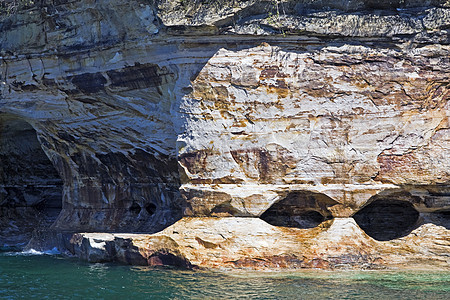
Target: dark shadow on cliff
[438,218]
[436,200]
[30,186]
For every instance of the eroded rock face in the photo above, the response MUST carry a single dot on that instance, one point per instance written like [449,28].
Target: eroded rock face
[299,113]
[30,187]
[104,121]
[251,243]
[347,117]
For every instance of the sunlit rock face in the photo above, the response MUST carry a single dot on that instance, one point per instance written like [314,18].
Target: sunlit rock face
[345,121]
[323,123]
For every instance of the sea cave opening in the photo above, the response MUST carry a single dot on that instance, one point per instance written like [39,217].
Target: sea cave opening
[387,219]
[300,209]
[30,187]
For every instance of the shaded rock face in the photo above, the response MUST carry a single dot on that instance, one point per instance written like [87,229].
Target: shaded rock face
[107,169]
[30,187]
[104,122]
[323,122]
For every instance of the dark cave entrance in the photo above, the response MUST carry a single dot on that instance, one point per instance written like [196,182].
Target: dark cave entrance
[300,209]
[387,219]
[30,187]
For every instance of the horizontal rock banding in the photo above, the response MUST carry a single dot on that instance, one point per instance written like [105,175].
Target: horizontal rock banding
[304,114]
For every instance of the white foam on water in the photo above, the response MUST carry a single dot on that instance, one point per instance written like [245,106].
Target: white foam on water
[31,252]
[53,251]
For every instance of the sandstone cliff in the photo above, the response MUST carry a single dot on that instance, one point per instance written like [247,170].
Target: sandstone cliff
[289,134]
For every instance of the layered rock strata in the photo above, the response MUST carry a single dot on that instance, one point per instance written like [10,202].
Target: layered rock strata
[31,189]
[287,133]
[251,243]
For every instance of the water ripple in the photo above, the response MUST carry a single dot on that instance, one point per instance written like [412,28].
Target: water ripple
[52,277]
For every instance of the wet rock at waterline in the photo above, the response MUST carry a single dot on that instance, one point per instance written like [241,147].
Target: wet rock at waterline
[288,134]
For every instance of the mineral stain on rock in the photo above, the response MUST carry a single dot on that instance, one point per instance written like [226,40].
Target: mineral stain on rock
[228,134]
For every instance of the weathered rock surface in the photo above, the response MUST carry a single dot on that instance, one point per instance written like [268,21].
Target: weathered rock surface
[346,122]
[252,243]
[297,115]
[30,190]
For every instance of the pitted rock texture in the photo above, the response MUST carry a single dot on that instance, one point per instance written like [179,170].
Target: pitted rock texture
[250,243]
[301,113]
[354,117]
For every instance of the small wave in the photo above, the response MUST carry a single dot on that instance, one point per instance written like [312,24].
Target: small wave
[53,251]
[31,252]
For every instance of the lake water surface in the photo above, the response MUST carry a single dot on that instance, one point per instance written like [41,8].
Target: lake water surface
[25,276]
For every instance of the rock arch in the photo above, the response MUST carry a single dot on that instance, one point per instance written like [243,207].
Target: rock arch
[30,187]
[301,209]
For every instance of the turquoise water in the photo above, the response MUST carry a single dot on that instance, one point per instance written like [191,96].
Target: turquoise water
[54,277]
